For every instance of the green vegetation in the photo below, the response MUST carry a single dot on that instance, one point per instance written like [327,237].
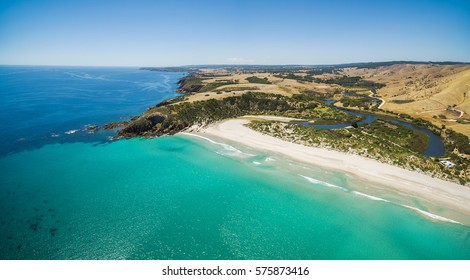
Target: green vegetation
[171,118]
[216,84]
[380,140]
[363,102]
[345,81]
[320,71]
[426,124]
[351,82]
[240,88]
[456,140]
[257,80]
[402,101]
[293,76]
[193,83]
[190,84]
[320,95]
[463,121]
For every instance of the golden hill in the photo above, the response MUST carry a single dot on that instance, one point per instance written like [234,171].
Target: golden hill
[425,91]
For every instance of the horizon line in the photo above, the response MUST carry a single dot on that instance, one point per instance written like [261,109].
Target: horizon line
[254,64]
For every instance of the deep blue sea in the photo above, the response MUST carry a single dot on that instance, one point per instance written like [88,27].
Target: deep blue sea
[69,194]
[38,105]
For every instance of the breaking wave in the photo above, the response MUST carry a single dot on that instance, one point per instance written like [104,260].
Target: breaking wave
[227,149]
[326,184]
[431,215]
[369,196]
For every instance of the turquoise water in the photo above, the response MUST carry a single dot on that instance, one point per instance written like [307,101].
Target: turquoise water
[184,197]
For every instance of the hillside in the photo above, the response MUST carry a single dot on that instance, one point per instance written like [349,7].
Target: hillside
[425,91]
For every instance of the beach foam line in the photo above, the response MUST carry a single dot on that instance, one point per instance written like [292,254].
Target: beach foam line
[326,184]
[431,215]
[419,211]
[227,147]
[369,196]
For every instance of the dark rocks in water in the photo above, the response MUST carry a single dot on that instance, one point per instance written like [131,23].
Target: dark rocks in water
[53,231]
[45,201]
[91,128]
[19,247]
[34,226]
[114,125]
[355,125]
[36,209]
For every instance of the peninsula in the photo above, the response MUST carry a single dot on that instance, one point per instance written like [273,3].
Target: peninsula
[404,124]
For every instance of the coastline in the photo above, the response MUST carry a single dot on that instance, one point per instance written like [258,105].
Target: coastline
[443,193]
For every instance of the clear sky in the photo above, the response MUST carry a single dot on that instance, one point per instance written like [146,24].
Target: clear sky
[176,32]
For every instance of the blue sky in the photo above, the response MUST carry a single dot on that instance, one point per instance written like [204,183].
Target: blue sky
[167,33]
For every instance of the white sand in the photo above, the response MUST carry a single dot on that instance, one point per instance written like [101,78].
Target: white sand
[440,192]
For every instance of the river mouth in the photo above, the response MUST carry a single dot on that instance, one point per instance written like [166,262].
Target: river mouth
[435,147]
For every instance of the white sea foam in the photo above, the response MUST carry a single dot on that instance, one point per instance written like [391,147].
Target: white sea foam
[153,86]
[85,76]
[431,215]
[326,184]
[256,162]
[369,196]
[72,131]
[54,135]
[228,150]
[269,159]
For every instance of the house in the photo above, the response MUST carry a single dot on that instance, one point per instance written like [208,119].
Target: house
[447,163]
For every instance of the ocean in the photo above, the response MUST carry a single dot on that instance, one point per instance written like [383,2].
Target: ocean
[66,193]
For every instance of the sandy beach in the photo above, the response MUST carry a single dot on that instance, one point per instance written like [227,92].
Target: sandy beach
[439,192]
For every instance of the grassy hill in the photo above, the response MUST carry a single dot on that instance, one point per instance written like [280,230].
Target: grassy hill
[425,91]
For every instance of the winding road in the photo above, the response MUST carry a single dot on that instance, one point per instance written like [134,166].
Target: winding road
[383,101]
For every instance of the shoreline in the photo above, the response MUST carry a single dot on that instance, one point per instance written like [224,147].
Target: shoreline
[442,193]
